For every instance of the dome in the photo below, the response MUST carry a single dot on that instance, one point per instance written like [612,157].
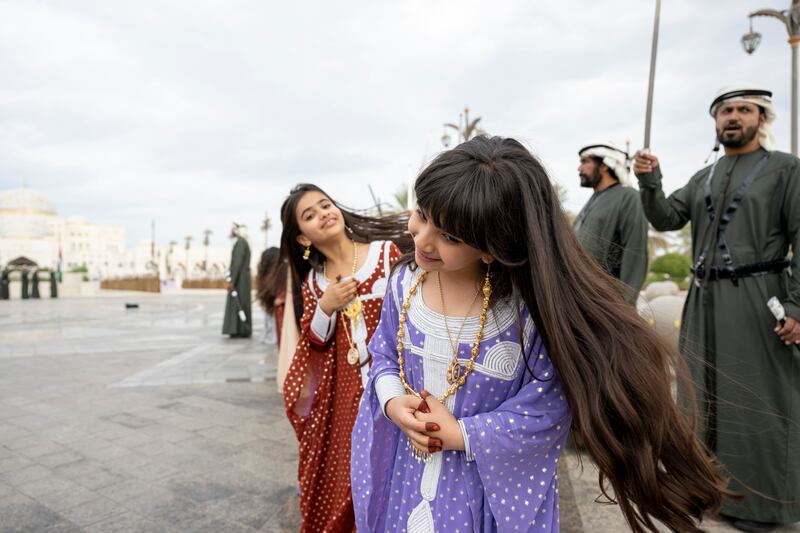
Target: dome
[24,200]
[25,213]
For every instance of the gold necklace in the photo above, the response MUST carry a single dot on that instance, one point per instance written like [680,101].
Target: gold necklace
[454,368]
[487,292]
[353,312]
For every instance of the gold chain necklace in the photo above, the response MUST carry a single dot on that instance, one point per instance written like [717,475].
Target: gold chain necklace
[487,292]
[454,368]
[353,312]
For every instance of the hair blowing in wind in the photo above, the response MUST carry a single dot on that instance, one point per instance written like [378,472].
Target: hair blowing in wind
[616,372]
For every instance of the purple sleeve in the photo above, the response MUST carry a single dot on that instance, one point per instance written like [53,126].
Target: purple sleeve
[383,345]
[517,446]
[375,438]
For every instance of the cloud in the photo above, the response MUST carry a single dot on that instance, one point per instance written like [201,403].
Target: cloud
[198,113]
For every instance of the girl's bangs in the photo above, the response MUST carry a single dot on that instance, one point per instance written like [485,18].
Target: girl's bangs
[458,205]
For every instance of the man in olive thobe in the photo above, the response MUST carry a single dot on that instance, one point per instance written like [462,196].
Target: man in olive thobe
[35,284]
[238,282]
[4,284]
[612,226]
[745,214]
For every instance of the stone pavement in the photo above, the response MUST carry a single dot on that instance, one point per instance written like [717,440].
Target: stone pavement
[139,420]
[149,420]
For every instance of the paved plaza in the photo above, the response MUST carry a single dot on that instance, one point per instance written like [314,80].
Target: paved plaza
[149,420]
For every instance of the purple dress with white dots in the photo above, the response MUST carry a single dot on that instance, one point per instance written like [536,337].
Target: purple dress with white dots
[515,422]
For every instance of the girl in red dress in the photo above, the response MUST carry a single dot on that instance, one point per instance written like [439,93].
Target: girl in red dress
[342,262]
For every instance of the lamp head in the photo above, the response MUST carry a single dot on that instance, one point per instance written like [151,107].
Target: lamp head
[751,39]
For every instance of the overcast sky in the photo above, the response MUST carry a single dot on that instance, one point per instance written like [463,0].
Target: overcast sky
[196,113]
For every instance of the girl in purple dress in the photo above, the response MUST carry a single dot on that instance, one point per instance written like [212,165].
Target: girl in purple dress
[496,338]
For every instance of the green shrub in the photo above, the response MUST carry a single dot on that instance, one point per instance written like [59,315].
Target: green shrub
[675,265]
[683,283]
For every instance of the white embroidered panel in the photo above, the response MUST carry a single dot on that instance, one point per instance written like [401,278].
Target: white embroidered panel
[430,477]
[421,519]
[502,360]
[435,373]
[379,288]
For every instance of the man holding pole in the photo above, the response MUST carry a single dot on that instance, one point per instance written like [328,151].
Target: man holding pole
[745,215]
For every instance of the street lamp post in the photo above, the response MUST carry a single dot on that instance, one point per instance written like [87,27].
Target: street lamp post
[206,241]
[465,128]
[791,19]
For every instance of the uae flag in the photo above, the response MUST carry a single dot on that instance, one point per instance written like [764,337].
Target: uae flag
[60,261]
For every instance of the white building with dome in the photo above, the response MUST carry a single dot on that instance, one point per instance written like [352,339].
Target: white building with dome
[30,227]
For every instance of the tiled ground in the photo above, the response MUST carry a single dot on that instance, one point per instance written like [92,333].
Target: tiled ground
[149,420]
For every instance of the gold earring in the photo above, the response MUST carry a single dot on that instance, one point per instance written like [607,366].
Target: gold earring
[487,284]
[307,253]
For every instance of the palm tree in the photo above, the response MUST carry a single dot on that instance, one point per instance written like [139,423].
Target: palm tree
[656,241]
[170,255]
[400,199]
[466,131]
[561,192]
[266,225]
[206,241]
[685,240]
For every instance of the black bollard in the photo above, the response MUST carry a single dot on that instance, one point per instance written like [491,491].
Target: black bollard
[25,285]
[35,285]
[4,285]
[53,285]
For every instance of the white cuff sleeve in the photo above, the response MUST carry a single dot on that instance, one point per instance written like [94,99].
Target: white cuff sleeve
[467,449]
[323,325]
[388,386]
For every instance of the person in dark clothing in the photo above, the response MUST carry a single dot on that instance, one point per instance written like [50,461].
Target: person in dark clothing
[238,321]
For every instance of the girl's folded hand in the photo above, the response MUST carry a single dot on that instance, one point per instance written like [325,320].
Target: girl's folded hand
[435,415]
[401,411]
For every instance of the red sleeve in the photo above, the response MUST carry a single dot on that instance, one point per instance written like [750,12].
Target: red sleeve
[394,253]
[308,369]
[310,304]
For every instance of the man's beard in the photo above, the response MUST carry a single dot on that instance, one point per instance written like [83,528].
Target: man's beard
[590,181]
[736,138]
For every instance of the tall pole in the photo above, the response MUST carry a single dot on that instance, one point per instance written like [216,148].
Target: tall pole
[794,41]
[790,18]
[651,83]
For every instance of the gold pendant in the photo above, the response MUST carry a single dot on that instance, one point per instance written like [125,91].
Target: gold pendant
[354,308]
[421,457]
[453,371]
[353,357]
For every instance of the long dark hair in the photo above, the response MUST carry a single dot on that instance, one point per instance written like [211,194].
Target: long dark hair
[270,278]
[493,194]
[361,228]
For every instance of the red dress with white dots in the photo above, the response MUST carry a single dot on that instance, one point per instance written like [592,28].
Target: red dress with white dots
[322,392]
